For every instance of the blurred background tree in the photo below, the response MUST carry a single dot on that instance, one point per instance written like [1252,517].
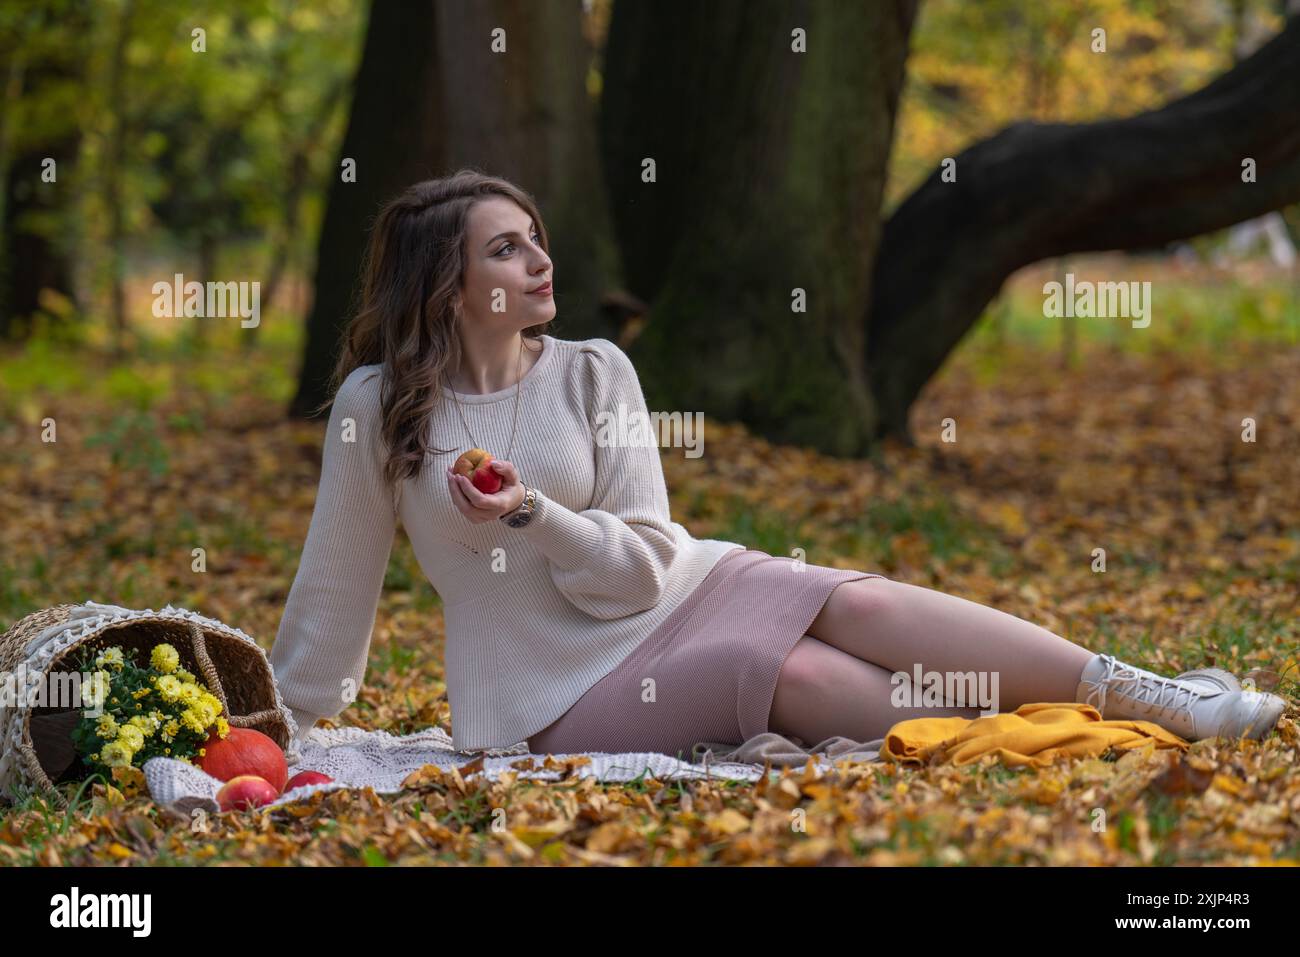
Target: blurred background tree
[209,162]
[44,81]
[775,171]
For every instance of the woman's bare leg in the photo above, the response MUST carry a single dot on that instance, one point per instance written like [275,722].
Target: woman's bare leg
[823,692]
[897,625]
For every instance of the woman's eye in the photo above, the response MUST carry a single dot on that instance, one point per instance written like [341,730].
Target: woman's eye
[537,238]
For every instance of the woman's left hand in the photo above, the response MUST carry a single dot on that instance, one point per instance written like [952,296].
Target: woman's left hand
[480,508]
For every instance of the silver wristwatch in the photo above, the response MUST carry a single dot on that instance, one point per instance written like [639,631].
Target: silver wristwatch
[522,515]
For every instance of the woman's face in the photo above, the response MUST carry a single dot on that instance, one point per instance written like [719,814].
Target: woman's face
[503,263]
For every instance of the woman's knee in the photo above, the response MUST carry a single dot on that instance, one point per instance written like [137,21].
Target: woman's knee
[853,603]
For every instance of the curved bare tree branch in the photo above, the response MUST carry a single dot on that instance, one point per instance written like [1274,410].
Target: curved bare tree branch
[1037,190]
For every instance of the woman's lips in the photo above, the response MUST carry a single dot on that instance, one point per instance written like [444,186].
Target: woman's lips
[541,290]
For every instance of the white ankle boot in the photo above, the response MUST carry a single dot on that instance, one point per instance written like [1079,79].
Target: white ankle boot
[1199,705]
[1213,678]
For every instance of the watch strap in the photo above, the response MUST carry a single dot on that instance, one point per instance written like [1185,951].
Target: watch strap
[523,513]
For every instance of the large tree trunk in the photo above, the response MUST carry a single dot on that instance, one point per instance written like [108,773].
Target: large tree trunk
[532,120]
[770,167]
[430,97]
[1037,190]
[32,259]
[395,97]
[33,262]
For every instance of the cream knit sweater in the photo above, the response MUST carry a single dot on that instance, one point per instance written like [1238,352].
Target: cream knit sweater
[534,616]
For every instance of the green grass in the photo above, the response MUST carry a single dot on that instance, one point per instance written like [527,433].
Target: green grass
[393,657]
[1241,629]
[1138,649]
[945,532]
[404,574]
[765,531]
[133,442]
[948,533]
[1202,316]
[55,821]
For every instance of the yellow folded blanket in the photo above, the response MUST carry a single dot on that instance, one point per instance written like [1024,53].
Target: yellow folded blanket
[1034,734]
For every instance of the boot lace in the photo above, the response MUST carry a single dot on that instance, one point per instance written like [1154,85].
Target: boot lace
[1141,687]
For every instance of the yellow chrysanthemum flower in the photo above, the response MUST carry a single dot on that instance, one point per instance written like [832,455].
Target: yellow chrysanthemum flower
[106,727]
[144,723]
[110,656]
[116,755]
[191,693]
[165,658]
[95,690]
[131,736]
[223,728]
[169,687]
[205,712]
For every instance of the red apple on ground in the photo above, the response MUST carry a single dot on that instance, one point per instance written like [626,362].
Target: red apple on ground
[476,465]
[303,778]
[244,751]
[244,792]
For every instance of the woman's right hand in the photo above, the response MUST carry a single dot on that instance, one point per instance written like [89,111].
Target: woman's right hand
[480,508]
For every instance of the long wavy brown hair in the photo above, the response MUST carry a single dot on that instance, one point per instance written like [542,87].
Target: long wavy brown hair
[408,318]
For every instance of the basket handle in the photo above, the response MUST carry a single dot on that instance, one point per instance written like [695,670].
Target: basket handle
[209,670]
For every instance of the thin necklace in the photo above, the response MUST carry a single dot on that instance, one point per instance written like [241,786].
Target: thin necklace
[518,388]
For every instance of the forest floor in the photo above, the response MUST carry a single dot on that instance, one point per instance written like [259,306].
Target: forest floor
[1135,446]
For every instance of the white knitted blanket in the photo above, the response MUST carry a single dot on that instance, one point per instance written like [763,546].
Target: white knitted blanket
[356,758]
[353,757]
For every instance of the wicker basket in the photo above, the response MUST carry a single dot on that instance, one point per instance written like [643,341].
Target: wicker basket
[232,665]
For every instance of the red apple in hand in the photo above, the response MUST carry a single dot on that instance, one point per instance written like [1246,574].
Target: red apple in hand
[476,465]
[246,791]
[303,778]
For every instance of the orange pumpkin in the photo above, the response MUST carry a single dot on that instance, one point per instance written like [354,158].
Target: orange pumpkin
[245,751]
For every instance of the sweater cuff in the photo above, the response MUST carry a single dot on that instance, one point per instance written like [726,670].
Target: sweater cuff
[567,539]
[304,719]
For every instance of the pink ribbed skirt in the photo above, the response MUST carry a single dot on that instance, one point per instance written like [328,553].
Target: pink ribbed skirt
[714,663]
